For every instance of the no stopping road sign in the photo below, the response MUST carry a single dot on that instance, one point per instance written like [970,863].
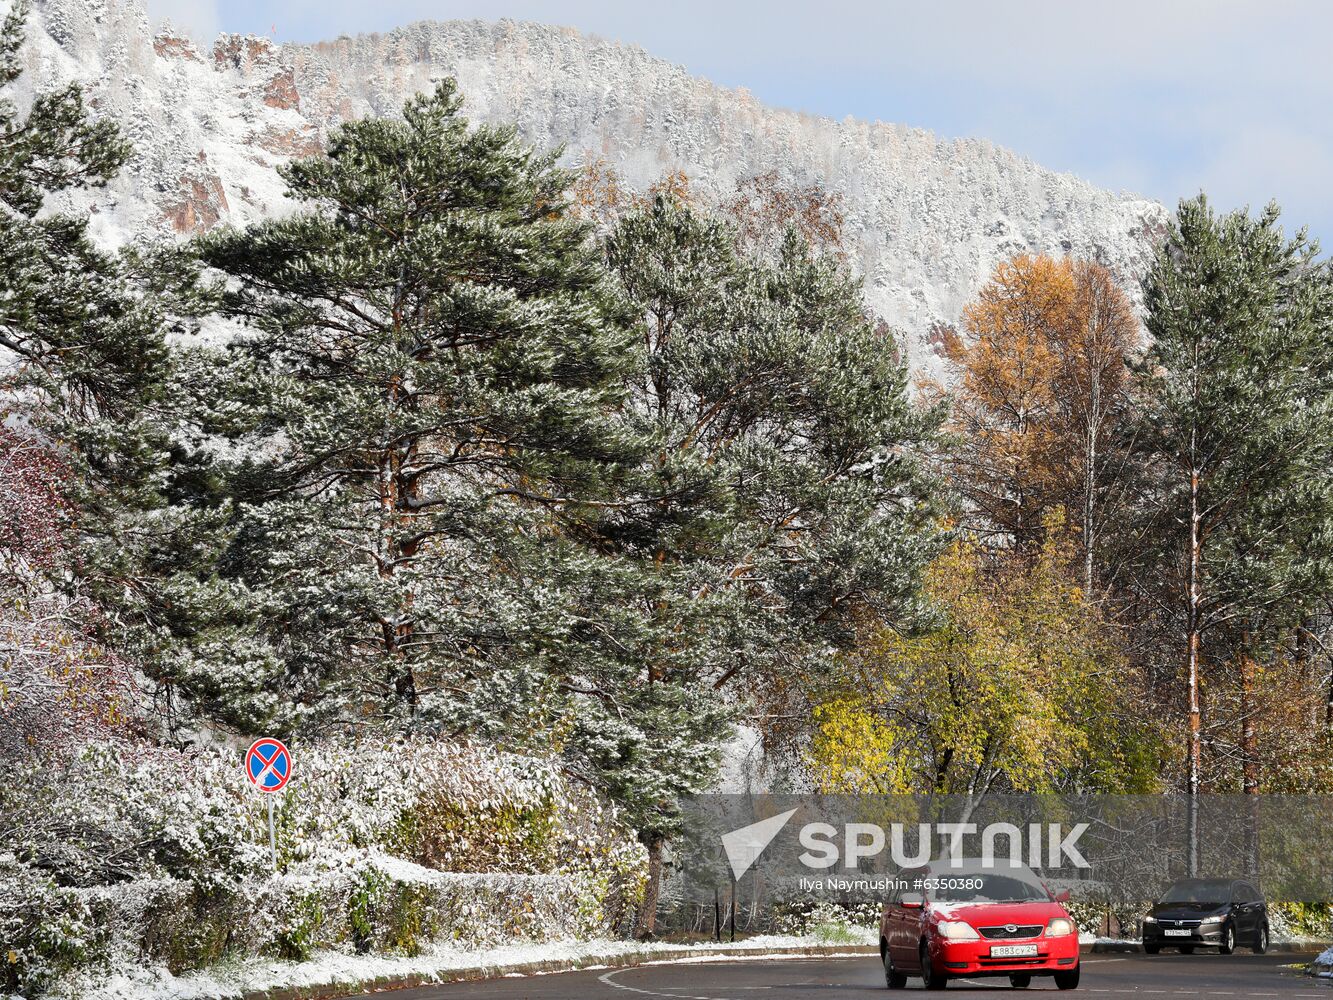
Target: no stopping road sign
[268,764]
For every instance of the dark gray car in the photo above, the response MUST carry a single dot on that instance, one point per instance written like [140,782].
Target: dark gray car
[1219,913]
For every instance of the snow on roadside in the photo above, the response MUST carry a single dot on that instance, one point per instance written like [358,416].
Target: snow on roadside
[238,976]
[1323,965]
[1085,938]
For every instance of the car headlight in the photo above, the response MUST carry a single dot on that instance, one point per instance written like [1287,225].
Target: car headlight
[1060,927]
[956,930]
[1216,918]
[1150,919]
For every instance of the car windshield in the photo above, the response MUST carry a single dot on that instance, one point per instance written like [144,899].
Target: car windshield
[1199,890]
[983,888]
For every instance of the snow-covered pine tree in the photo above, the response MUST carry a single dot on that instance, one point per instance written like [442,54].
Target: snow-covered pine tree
[784,469]
[436,355]
[75,349]
[85,364]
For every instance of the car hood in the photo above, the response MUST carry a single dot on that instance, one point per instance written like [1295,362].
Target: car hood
[998,914]
[1185,911]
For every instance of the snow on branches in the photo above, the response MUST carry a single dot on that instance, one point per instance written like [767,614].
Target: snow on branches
[56,683]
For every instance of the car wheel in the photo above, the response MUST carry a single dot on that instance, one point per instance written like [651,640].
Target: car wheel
[1020,980]
[1228,944]
[1151,949]
[931,979]
[1067,980]
[1261,940]
[893,979]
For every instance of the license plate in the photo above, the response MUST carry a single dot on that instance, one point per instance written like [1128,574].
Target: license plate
[1013,951]
[1172,932]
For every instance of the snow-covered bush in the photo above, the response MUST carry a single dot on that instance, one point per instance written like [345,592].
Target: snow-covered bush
[851,916]
[379,904]
[1301,921]
[60,938]
[1102,914]
[45,933]
[57,684]
[124,854]
[843,921]
[115,811]
[120,810]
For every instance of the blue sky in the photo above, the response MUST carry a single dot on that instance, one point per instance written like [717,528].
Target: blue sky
[1163,97]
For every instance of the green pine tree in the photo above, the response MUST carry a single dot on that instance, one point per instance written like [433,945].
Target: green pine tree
[783,483]
[87,364]
[1236,438]
[434,358]
[74,340]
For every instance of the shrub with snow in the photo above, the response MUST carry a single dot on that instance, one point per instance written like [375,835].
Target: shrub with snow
[1300,921]
[122,853]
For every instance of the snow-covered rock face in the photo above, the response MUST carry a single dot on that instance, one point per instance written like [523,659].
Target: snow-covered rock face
[928,218]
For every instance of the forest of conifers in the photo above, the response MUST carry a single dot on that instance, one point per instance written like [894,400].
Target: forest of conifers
[476,448]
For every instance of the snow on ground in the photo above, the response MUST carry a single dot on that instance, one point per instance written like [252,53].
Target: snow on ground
[233,978]
[238,976]
[1323,965]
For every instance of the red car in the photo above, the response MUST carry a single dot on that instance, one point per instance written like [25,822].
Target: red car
[955,922]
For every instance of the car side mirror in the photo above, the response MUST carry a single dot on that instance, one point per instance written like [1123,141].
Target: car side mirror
[1062,896]
[911,900]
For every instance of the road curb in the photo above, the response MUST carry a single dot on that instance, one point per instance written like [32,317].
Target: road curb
[625,960]
[1133,947]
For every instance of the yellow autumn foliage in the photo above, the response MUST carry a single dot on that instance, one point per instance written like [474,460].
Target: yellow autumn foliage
[1015,687]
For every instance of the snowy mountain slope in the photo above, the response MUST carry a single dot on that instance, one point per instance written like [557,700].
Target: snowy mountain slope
[928,217]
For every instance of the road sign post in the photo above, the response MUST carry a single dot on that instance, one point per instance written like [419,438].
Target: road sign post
[268,766]
[272,837]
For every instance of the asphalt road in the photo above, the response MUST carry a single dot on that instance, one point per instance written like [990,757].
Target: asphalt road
[1202,975]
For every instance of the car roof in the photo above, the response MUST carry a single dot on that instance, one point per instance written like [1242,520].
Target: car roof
[974,866]
[1197,879]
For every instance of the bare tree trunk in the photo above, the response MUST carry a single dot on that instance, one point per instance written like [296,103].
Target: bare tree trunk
[1092,428]
[1328,711]
[1089,484]
[399,543]
[1105,332]
[1248,738]
[1304,665]
[645,924]
[397,547]
[1192,677]
[1249,754]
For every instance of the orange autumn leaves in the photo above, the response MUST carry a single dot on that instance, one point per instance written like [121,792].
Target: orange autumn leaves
[1039,383]
[1016,682]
